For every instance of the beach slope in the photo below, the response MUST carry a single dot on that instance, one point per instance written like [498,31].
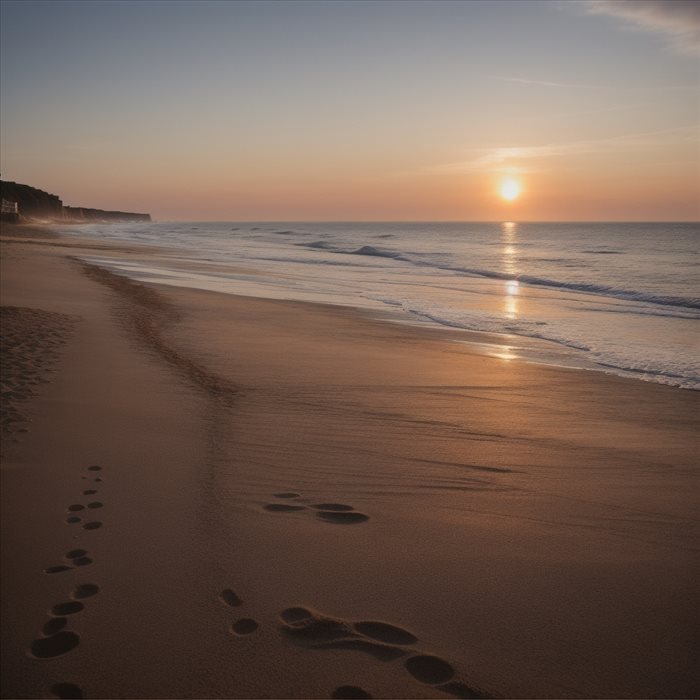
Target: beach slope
[216,496]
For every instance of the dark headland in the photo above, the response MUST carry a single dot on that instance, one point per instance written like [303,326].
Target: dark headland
[25,204]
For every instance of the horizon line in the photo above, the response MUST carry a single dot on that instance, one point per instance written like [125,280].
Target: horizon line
[427,221]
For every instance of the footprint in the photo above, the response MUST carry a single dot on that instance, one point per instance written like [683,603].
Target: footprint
[429,669]
[86,590]
[342,518]
[348,692]
[315,627]
[73,519]
[75,553]
[315,630]
[460,690]
[55,645]
[89,492]
[244,626]
[384,632]
[339,513]
[94,468]
[82,561]
[95,504]
[282,507]
[341,507]
[55,624]
[230,598]
[93,525]
[75,507]
[294,615]
[69,608]
[383,652]
[69,691]
[57,569]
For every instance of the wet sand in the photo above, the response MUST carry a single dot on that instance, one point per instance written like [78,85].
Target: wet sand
[220,496]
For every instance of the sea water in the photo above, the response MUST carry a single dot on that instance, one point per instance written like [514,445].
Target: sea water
[619,297]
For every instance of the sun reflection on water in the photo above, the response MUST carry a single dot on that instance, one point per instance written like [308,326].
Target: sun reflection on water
[511,302]
[509,230]
[505,352]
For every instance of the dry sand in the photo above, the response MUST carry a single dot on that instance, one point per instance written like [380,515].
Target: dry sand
[296,500]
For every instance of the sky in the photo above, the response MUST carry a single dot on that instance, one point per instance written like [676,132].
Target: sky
[319,111]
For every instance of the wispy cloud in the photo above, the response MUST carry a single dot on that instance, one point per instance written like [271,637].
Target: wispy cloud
[541,83]
[523,159]
[600,110]
[677,19]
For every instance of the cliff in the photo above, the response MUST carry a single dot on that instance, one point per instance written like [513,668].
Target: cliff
[33,203]
[83,214]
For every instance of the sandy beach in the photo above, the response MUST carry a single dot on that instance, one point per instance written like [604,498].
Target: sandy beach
[206,495]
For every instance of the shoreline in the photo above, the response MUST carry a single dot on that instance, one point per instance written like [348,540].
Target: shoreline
[530,318]
[533,530]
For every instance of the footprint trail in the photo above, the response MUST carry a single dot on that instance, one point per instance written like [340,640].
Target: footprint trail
[244,625]
[338,513]
[56,640]
[381,640]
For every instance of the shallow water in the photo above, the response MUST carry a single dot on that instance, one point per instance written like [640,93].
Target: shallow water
[619,297]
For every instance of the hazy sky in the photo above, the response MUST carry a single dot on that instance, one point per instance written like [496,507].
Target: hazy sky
[356,110]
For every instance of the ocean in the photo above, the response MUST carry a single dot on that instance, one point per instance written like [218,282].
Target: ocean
[614,297]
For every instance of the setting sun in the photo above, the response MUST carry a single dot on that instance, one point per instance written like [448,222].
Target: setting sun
[510,189]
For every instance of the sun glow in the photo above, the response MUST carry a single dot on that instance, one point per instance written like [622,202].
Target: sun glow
[510,189]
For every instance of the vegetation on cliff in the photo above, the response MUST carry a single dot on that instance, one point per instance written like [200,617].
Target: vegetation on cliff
[35,204]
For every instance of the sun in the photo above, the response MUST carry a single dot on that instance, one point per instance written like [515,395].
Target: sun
[510,189]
